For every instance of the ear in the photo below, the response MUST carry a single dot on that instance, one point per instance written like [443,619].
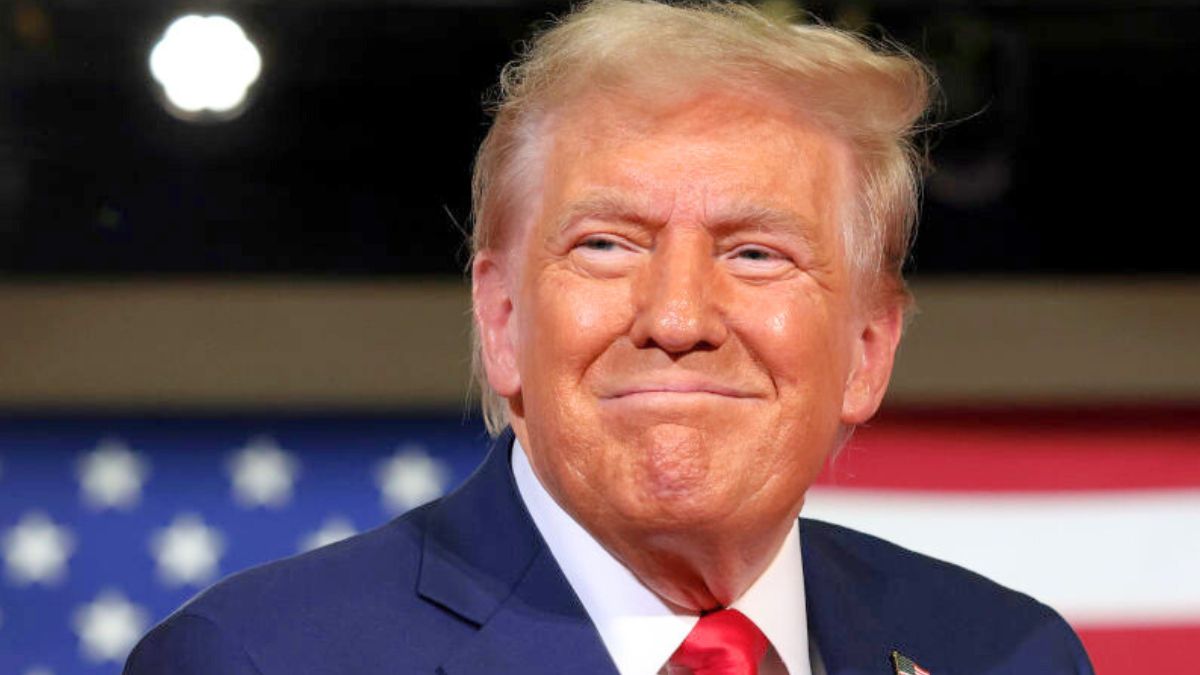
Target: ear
[491,297]
[874,353]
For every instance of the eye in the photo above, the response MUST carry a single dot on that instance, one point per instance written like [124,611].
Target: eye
[597,243]
[604,255]
[758,261]
[755,254]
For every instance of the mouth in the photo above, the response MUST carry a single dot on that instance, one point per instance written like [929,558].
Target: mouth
[678,389]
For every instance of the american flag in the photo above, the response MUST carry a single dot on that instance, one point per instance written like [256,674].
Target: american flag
[1094,512]
[109,523]
[905,665]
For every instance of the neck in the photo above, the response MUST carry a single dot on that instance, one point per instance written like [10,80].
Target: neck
[694,571]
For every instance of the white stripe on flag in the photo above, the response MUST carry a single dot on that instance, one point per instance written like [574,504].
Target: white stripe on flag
[1125,557]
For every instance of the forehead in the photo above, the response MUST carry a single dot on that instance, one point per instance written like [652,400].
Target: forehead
[708,150]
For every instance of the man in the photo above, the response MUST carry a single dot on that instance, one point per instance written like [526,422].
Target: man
[690,223]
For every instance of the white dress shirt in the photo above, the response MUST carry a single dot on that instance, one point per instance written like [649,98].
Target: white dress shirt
[639,630]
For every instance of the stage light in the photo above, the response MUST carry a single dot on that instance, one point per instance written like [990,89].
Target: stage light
[205,65]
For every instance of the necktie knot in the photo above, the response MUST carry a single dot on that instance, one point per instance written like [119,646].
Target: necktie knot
[722,643]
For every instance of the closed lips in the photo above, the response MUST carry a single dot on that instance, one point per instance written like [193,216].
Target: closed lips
[680,388]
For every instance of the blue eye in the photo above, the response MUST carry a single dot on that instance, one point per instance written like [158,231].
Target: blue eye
[598,244]
[756,254]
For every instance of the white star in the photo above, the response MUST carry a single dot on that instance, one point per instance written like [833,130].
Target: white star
[262,474]
[111,476]
[109,627]
[410,478]
[334,528]
[187,551]
[36,550]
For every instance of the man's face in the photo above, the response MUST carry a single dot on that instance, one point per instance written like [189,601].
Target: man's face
[676,331]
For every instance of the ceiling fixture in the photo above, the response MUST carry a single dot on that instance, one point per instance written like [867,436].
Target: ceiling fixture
[206,66]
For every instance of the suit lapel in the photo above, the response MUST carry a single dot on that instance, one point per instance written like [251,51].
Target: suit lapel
[484,560]
[540,629]
[844,600]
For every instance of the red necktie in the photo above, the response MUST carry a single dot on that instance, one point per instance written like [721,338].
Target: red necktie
[722,643]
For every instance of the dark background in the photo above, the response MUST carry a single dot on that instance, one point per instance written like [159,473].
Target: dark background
[1067,146]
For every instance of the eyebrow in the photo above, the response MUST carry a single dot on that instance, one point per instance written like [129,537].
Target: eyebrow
[738,214]
[759,216]
[604,205]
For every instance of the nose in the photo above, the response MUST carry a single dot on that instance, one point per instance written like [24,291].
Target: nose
[675,299]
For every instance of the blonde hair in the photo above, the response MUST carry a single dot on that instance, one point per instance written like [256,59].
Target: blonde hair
[870,95]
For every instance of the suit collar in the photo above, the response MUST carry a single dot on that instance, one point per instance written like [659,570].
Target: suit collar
[539,629]
[478,541]
[842,596]
[484,560]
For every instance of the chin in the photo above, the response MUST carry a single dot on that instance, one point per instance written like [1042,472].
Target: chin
[665,504]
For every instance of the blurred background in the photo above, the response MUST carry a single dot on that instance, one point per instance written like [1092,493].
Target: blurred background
[233,318]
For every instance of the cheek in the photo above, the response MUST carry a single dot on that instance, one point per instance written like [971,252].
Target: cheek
[796,340]
[796,337]
[591,309]
[569,324]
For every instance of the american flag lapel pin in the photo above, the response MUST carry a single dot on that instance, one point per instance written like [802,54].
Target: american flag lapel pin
[905,665]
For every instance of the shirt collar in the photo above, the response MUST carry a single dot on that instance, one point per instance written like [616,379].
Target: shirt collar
[775,603]
[639,630]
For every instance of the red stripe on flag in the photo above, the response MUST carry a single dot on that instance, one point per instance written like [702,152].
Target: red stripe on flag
[1023,451]
[1145,649]
[1044,451]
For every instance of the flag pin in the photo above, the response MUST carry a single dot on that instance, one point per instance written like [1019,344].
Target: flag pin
[905,665]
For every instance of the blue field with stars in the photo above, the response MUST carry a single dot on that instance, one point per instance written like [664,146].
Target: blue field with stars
[109,523]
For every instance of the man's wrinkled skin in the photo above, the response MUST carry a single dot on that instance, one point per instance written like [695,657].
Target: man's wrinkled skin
[677,330]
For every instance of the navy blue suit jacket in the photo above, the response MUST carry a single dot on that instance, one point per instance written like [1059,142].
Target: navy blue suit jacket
[466,585]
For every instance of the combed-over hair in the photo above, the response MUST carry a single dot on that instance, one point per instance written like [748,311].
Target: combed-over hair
[870,95]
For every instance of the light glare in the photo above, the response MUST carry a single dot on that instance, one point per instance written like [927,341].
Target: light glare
[205,63]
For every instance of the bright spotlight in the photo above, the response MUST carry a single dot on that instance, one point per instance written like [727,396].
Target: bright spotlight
[205,65]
